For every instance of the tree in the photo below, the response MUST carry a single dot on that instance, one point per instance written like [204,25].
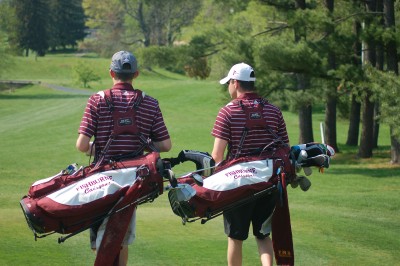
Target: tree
[196,65]
[6,13]
[160,21]
[31,27]
[355,105]
[366,141]
[85,74]
[105,19]
[380,65]
[331,98]
[297,57]
[67,23]
[303,81]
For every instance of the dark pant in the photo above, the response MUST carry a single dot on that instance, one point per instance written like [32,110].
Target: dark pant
[237,221]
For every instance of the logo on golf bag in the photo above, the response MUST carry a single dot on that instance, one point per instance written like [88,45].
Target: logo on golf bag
[241,173]
[255,116]
[127,121]
[98,183]
[285,253]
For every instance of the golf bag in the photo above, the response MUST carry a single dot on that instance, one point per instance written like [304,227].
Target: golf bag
[241,180]
[233,183]
[73,200]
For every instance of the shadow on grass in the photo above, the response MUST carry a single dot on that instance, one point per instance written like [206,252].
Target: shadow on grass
[349,155]
[13,85]
[377,166]
[154,73]
[41,96]
[68,92]
[383,172]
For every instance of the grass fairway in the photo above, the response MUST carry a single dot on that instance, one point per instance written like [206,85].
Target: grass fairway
[350,215]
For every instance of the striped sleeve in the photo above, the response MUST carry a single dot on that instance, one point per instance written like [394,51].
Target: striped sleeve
[159,129]
[222,125]
[89,120]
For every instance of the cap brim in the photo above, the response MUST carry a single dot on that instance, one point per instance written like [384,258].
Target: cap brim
[224,80]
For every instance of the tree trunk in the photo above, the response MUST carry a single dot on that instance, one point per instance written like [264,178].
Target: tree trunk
[354,126]
[365,149]
[380,61]
[305,119]
[305,113]
[331,95]
[395,148]
[355,108]
[143,25]
[392,65]
[305,110]
[375,134]
[330,122]
[366,141]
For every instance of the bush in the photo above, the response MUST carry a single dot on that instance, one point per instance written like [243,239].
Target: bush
[177,59]
[85,74]
[169,58]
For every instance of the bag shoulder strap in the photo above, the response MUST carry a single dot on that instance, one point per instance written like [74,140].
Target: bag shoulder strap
[254,119]
[144,142]
[109,100]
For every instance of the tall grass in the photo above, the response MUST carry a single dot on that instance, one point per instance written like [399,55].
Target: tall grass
[350,215]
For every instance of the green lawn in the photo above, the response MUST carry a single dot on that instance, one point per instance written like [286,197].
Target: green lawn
[350,215]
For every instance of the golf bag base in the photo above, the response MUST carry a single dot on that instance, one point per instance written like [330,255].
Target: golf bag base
[71,202]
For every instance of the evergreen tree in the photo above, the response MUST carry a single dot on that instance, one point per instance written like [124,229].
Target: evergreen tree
[331,93]
[355,104]
[31,26]
[67,23]
[6,14]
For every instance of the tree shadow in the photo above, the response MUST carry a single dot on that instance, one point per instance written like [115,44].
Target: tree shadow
[42,96]
[7,90]
[383,172]
[155,73]
[378,166]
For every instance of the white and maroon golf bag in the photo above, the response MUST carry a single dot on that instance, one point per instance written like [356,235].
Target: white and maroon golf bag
[231,184]
[72,202]
[245,178]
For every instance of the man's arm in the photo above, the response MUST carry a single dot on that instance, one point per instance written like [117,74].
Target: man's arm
[163,146]
[83,144]
[219,150]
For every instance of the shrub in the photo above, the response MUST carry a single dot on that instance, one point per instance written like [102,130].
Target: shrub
[85,74]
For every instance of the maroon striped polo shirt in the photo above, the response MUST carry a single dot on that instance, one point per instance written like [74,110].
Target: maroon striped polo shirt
[231,121]
[97,120]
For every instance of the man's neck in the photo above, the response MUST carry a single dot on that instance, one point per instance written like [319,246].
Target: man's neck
[116,81]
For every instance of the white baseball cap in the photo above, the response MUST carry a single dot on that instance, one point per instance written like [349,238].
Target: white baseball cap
[240,71]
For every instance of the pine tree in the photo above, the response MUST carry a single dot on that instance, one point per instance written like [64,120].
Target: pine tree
[31,27]
[67,23]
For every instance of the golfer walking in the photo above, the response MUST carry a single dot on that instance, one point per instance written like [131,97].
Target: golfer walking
[97,123]
[228,133]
